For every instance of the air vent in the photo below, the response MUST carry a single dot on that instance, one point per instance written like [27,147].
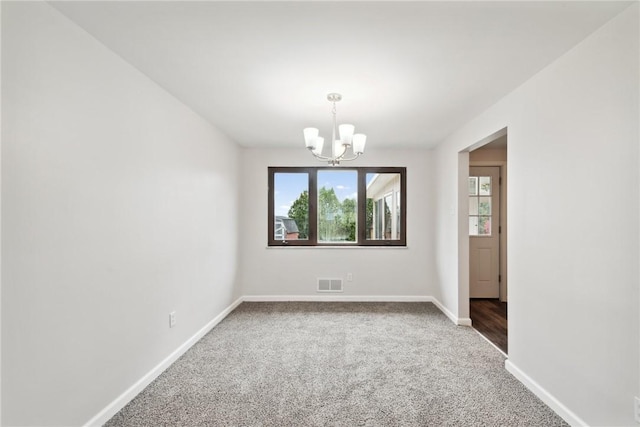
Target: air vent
[329,285]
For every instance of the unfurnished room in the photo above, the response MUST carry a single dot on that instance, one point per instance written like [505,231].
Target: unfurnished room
[320,213]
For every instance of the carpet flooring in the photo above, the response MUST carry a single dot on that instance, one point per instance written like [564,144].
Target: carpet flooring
[337,364]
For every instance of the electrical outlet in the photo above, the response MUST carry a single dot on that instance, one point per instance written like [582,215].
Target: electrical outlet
[172,319]
[636,408]
[349,277]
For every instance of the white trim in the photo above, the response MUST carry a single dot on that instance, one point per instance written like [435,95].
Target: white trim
[111,409]
[445,310]
[460,321]
[121,401]
[338,298]
[464,321]
[463,220]
[564,412]
[484,141]
[361,298]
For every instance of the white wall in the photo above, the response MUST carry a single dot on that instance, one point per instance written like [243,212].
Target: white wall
[1,68]
[376,271]
[573,294]
[119,205]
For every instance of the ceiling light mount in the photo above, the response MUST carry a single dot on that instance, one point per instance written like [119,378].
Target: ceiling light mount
[348,139]
[334,97]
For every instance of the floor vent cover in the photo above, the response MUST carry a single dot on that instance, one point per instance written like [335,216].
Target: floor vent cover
[329,285]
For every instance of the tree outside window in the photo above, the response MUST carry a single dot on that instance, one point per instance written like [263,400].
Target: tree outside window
[336,206]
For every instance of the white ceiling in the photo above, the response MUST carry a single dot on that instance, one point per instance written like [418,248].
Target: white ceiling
[410,72]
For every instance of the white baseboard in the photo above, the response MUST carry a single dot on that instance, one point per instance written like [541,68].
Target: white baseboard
[464,321]
[337,298]
[120,402]
[564,412]
[460,321]
[361,298]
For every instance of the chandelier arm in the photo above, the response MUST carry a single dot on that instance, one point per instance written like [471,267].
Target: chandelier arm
[344,151]
[348,159]
[320,157]
[334,158]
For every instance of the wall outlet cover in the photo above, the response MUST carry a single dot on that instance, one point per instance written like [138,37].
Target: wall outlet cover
[636,408]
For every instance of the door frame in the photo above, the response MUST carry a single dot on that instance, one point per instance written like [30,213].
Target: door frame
[501,209]
[463,225]
[504,287]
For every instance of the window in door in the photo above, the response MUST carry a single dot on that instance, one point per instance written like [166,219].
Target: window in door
[480,206]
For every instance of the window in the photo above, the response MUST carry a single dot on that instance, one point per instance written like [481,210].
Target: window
[383,201]
[322,206]
[480,206]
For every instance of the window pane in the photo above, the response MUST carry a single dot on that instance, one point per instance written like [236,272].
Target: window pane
[383,212]
[484,205]
[473,206]
[337,206]
[398,220]
[291,206]
[473,185]
[378,214]
[485,186]
[387,219]
[484,225]
[473,226]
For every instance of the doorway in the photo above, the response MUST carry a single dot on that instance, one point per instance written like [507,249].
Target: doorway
[487,241]
[484,232]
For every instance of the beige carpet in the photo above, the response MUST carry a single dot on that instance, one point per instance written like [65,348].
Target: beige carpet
[338,364]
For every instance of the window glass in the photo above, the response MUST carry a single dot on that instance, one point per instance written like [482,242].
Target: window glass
[337,206]
[473,206]
[485,186]
[484,205]
[480,206]
[383,212]
[484,226]
[473,225]
[398,217]
[358,206]
[291,206]
[473,185]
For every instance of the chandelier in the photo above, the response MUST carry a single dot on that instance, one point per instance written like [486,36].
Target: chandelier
[339,147]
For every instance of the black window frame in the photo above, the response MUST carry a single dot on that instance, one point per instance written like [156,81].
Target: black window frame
[312,173]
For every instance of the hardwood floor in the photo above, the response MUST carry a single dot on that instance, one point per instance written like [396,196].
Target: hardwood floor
[489,317]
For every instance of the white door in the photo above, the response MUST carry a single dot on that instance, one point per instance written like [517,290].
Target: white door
[484,232]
